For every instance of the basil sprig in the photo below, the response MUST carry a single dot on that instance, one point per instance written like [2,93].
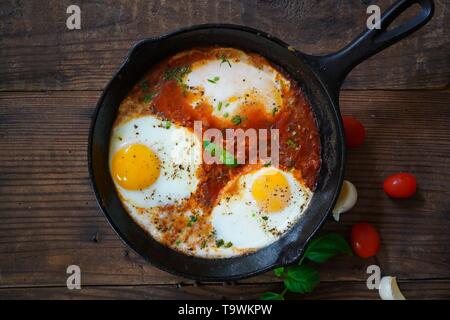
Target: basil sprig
[326,247]
[272,296]
[303,278]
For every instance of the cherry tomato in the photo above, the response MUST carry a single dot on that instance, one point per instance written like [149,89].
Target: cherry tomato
[400,185]
[354,132]
[365,240]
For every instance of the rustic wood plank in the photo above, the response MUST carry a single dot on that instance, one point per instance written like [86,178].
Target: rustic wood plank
[419,289]
[37,52]
[49,218]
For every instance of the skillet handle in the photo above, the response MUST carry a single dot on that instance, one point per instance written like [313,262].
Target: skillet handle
[334,68]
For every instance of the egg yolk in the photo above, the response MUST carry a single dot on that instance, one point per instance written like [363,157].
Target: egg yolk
[135,167]
[271,191]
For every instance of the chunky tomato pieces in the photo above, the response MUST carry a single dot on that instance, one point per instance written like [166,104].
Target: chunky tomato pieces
[354,131]
[400,185]
[365,240]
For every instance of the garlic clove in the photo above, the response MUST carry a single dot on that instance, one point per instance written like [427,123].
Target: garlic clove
[389,289]
[346,201]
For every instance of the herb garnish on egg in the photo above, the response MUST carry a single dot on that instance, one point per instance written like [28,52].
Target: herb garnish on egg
[223,155]
[225,60]
[214,80]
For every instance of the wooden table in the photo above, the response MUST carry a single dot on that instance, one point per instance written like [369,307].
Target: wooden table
[51,79]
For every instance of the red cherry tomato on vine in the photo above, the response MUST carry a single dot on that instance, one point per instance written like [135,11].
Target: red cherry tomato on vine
[354,132]
[400,185]
[365,240]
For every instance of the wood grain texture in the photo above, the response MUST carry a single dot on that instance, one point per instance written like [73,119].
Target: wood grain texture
[50,79]
[421,289]
[38,52]
[49,218]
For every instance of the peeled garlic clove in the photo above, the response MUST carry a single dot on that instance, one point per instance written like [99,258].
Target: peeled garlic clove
[347,199]
[389,290]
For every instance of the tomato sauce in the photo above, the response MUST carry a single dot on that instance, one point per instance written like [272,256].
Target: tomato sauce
[166,98]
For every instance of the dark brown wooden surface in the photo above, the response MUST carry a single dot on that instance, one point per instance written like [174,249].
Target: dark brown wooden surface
[39,53]
[327,290]
[51,79]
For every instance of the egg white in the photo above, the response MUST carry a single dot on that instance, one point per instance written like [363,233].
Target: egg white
[178,150]
[229,85]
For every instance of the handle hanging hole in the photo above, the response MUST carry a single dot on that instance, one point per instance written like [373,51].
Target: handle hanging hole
[407,15]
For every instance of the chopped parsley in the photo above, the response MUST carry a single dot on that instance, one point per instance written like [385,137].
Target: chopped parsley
[225,115]
[219,243]
[229,244]
[214,80]
[219,106]
[184,87]
[267,164]
[224,59]
[192,220]
[148,97]
[178,242]
[291,143]
[265,217]
[167,124]
[144,86]
[176,73]
[274,111]
[237,119]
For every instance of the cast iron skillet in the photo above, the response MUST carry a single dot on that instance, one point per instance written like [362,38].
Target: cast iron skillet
[320,78]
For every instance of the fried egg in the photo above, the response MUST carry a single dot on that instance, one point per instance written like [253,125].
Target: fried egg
[234,81]
[261,207]
[153,162]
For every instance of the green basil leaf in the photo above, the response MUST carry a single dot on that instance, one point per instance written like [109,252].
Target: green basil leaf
[279,271]
[326,247]
[223,155]
[271,296]
[301,279]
